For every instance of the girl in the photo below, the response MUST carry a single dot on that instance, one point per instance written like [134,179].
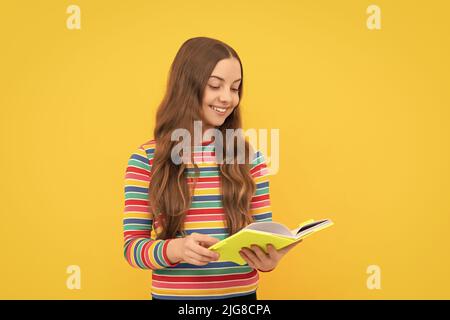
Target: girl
[190,206]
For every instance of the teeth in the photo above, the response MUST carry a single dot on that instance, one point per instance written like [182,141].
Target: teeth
[222,110]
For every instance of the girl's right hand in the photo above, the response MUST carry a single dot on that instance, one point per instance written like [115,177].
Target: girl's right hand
[193,249]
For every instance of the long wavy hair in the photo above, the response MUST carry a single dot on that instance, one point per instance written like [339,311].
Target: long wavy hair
[170,195]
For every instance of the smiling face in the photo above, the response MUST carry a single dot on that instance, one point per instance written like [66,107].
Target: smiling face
[221,94]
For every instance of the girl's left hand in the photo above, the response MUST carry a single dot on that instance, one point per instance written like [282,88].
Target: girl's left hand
[257,258]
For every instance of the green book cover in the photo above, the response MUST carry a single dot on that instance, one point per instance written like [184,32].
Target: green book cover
[263,233]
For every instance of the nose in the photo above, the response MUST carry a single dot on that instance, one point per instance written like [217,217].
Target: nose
[225,97]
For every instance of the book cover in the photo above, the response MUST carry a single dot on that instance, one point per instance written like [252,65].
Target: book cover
[263,233]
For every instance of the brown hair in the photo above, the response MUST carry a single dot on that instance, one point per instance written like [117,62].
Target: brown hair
[170,196]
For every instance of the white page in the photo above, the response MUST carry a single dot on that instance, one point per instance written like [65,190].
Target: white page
[310,227]
[272,227]
[280,229]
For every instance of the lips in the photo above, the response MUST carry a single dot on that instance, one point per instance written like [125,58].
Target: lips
[219,110]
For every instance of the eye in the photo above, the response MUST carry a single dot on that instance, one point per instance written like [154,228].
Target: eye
[215,88]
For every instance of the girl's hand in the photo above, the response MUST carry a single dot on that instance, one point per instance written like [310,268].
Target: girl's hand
[193,249]
[257,258]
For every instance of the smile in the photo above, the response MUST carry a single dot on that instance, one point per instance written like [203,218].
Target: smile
[219,110]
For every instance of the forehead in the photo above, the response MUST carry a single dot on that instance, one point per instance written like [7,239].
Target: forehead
[228,69]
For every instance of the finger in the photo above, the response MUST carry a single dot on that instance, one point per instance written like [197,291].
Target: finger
[262,256]
[251,255]
[205,252]
[198,257]
[204,239]
[194,246]
[247,259]
[292,245]
[273,253]
[196,262]
[289,247]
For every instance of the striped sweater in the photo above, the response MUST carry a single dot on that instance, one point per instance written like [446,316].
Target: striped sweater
[184,281]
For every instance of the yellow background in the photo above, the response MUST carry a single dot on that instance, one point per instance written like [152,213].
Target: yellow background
[364,138]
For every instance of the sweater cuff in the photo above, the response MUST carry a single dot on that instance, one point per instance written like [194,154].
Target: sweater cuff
[165,257]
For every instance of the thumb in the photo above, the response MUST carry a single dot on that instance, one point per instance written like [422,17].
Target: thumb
[289,247]
[205,240]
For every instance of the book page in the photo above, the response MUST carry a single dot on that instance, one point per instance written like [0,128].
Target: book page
[272,227]
[310,227]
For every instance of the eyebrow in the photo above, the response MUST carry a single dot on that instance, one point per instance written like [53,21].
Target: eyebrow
[224,79]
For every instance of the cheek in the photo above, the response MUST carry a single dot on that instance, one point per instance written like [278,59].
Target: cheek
[208,96]
[236,100]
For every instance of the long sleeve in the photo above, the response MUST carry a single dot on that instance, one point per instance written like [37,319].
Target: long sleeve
[260,207]
[140,250]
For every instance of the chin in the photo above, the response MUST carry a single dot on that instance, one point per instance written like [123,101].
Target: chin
[219,123]
[215,122]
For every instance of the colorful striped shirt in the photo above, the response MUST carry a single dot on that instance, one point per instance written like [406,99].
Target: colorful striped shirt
[184,281]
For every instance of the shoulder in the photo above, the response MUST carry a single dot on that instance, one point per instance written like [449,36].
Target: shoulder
[149,148]
[143,155]
[257,158]
[258,164]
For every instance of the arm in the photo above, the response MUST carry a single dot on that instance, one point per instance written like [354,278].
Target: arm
[140,249]
[261,211]
[260,207]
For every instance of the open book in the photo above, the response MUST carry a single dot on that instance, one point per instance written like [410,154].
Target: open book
[263,233]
